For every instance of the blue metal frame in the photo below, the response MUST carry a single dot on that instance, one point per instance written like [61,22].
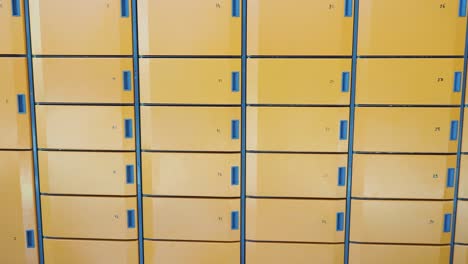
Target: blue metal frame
[244,128]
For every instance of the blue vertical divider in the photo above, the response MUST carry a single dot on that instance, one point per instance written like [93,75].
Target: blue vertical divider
[243,128]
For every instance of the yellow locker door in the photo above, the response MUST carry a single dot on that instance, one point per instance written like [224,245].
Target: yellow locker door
[88,80]
[12,29]
[86,27]
[85,127]
[208,27]
[463,184]
[465,133]
[408,222]
[89,217]
[296,175]
[295,220]
[191,174]
[461,254]
[300,27]
[461,235]
[280,253]
[298,81]
[179,252]
[190,128]
[87,173]
[402,129]
[18,225]
[297,129]
[14,104]
[191,219]
[409,81]
[404,176]
[190,81]
[417,27]
[90,251]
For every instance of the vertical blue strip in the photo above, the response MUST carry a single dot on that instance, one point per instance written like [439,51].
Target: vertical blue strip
[235,129]
[235,175]
[462,8]
[127,80]
[236,8]
[348,12]
[21,103]
[124,8]
[457,82]
[235,220]
[128,128]
[454,130]
[30,241]
[131,218]
[243,129]
[447,222]
[15,8]
[450,177]
[130,175]
[339,221]
[341,176]
[343,129]
[235,82]
[345,82]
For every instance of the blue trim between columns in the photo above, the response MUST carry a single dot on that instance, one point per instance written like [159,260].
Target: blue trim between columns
[244,129]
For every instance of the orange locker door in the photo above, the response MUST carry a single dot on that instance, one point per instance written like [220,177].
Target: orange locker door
[461,254]
[463,184]
[461,235]
[12,29]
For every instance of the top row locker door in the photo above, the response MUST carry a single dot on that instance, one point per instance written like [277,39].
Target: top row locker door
[12,29]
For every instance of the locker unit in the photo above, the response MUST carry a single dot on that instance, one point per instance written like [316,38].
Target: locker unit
[295,220]
[85,127]
[190,128]
[400,129]
[179,252]
[280,253]
[87,173]
[461,254]
[18,223]
[463,180]
[409,222]
[15,130]
[89,217]
[83,80]
[297,129]
[465,133]
[12,30]
[90,251]
[191,174]
[461,234]
[299,27]
[86,27]
[190,81]
[418,27]
[210,27]
[298,81]
[296,175]
[409,81]
[404,176]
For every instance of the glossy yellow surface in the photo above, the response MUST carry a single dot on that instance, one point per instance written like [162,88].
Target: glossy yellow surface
[17,207]
[465,133]
[189,81]
[298,27]
[461,235]
[190,219]
[296,129]
[297,81]
[190,174]
[461,254]
[300,220]
[204,27]
[295,175]
[85,27]
[178,252]
[84,127]
[402,176]
[189,128]
[15,130]
[12,29]
[463,180]
[86,173]
[417,27]
[90,251]
[411,222]
[81,80]
[88,217]
[400,129]
[408,81]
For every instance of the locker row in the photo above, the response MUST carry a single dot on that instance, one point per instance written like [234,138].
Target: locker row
[274,27]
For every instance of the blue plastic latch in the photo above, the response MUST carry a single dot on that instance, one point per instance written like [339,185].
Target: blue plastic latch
[348,11]
[131,218]
[447,223]
[454,130]
[341,176]
[30,241]
[457,82]
[130,173]
[339,221]
[127,80]
[128,128]
[15,8]
[124,8]
[345,82]
[235,81]
[451,177]
[235,129]
[21,103]
[235,220]
[236,8]
[235,175]
[462,8]
[343,129]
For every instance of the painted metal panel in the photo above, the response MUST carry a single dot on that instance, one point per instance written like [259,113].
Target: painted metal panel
[461,254]
[461,234]
[12,29]
[463,181]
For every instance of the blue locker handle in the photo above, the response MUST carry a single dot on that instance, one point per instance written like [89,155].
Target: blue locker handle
[235,81]
[131,218]
[128,128]
[447,223]
[124,8]
[235,175]
[21,103]
[343,129]
[457,82]
[30,241]
[341,176]
[454,130]
[127,80]
[235,220]
[348,9]
[462,8]
[345,82]
[235,129]
[339,221]
[15,8]
[236,8]
[451,177]
[130,174]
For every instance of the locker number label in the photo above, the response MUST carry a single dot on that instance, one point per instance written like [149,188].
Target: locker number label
[435,176]
[442,6]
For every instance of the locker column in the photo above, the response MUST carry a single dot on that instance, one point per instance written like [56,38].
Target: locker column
[460,254]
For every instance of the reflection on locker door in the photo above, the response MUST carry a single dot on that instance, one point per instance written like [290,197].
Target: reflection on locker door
[404,176]
[461,254]
[191,174]
[296,175]
[14,104]
[85,127]
[179,252]
[89,217]
[418,27]
[192,219]
[190,81]
[400,129]
[298,81]
[90,251]
[409,81]
[18,225]
[12,29]
[300,27]
[210,27]
[190,128]
[463,184]
[300,220]
[88,80]
[86,27]
[409,222]
[285,129]
[87,173]
[461,235]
